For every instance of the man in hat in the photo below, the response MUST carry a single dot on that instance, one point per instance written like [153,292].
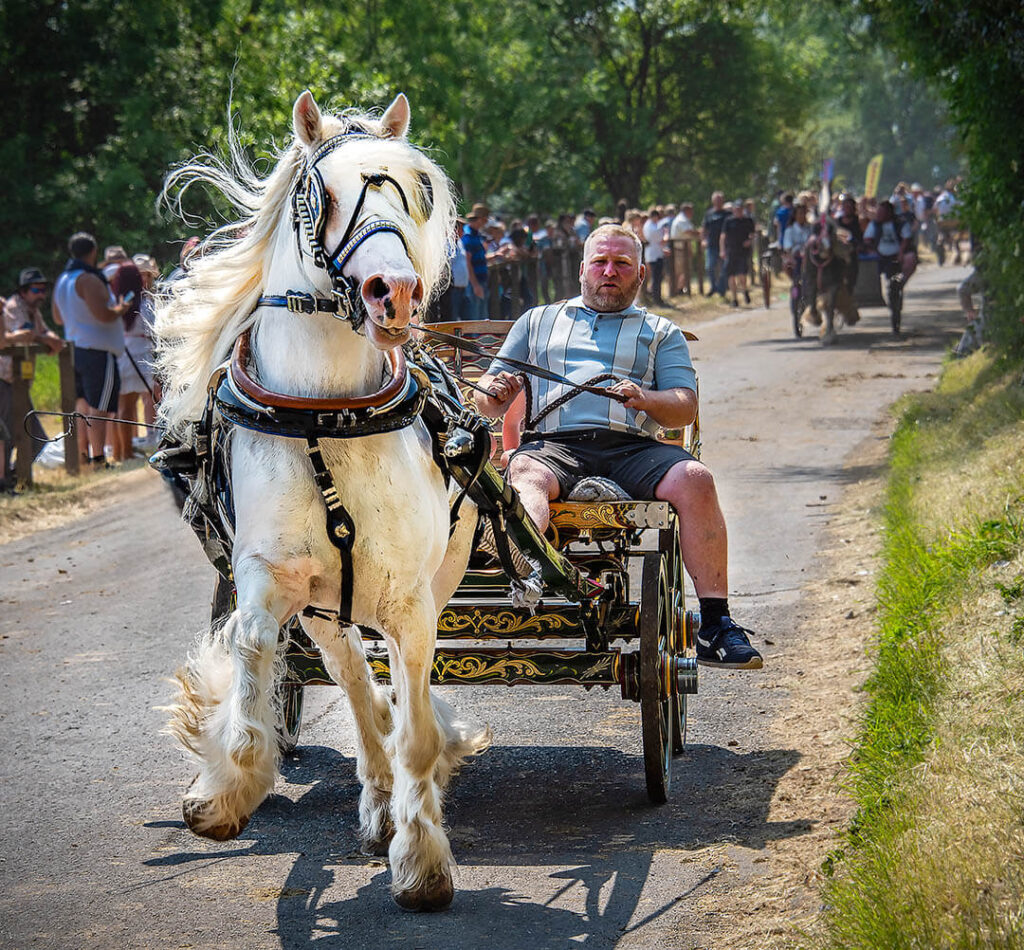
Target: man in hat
[22,323]
[476,251]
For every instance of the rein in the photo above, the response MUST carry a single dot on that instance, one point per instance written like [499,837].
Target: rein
[533,370]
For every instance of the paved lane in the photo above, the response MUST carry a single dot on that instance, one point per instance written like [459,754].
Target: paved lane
[556,843]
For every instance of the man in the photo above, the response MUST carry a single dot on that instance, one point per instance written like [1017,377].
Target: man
[783,217]
[654,253]
[476,252]
[599,331]
[735,245]
[710,235]
[891,240]
[585,223]
[22,323]
[83,305]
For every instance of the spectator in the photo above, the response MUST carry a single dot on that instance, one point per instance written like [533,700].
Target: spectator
[22,323]
[682,224]
[476,253]
[187,249]
[711,234]
[585,224]
[621,207]
[783,217]
[849,222]
[974,313]
[452,302]
[735,244]
[654,254]
[126,283]
[135,365]
[82,305]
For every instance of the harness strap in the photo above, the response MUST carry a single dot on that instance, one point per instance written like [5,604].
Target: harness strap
[341,529]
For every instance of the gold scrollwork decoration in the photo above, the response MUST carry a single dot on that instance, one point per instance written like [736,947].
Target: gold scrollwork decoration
[500,622]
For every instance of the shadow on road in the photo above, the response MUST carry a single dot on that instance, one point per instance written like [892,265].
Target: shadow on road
[577,816]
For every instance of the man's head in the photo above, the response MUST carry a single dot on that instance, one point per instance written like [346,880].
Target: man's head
[32,285]
[737,208]
[848,206]
[83,247]
[884,211]
[611,271]
[800,214]
[688,209]
[653,213]
[717,200]
[589,216]
[478,216]
[114,253]
[787,199]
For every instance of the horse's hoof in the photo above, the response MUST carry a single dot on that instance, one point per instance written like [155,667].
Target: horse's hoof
[436,893]
[195,812]
[377,846]
[827,339]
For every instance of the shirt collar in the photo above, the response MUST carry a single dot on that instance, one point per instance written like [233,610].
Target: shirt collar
[576,303]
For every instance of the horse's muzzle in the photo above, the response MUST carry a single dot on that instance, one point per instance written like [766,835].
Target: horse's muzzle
[391,300]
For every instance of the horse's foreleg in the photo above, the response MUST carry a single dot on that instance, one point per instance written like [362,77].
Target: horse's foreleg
[229,682]
[420,854]
[343,655]
[828,333]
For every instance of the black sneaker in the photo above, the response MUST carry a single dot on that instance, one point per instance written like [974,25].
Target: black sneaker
[746,296]
[725,645]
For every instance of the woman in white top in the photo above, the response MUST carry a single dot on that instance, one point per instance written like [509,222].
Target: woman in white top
[136,363]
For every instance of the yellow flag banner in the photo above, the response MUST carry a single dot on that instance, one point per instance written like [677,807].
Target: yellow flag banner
[873,177]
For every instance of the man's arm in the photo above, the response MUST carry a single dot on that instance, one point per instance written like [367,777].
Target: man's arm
[93,292]
[671,408]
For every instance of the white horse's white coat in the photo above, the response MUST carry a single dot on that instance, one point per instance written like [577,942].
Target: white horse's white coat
[405,566]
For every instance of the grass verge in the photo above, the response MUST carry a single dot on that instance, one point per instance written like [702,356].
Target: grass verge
[935,856]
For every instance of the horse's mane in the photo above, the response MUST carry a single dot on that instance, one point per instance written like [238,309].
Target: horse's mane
[203,314]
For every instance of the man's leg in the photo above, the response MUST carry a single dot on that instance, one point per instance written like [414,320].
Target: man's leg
[537,488]
[690,488]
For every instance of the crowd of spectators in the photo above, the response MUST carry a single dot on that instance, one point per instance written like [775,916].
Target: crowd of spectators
[104,305]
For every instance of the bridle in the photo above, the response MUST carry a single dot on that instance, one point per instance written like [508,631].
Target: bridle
[309,218]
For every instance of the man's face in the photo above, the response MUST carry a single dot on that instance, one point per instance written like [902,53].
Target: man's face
[35,294]
[717,201]
[611,274]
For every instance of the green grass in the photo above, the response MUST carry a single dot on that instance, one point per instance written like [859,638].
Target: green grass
[46,385]
[935,855]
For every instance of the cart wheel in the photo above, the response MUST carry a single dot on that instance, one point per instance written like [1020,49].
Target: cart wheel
[895,304]
[291,717]
[656,703]
[679,641]
[796,309]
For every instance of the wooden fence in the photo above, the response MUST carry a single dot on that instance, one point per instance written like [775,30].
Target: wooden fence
[23,374]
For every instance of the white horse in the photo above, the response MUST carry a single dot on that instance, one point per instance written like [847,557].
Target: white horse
[353,182]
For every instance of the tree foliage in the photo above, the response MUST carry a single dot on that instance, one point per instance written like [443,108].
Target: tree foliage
[528,104]
[974,54]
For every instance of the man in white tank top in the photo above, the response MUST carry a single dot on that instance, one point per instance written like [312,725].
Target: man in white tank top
[92,321]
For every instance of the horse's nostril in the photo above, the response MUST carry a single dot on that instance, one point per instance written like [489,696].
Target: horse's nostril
[378,289]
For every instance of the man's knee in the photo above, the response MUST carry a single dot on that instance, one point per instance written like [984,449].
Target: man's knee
[527,473]
[687,484]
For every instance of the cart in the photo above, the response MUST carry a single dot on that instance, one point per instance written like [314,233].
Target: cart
[612,613]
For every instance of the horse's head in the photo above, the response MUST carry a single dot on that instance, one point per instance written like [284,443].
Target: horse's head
[372,210]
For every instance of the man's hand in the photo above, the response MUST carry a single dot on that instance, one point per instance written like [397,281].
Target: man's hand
[502,389]
[636,397]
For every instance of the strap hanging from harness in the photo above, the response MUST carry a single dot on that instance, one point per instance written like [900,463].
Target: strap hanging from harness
[341,529]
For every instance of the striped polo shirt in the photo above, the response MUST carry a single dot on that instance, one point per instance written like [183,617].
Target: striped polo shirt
[576,342]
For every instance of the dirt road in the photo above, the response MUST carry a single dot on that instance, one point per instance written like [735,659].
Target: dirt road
[556,843]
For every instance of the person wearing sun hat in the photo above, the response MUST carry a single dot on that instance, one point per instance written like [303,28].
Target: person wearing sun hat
[22,323]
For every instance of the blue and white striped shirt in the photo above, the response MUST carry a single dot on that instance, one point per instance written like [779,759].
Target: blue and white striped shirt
[578,343]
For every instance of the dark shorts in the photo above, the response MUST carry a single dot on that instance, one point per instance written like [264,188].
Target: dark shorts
[635,462]
[97,380]
[736,264]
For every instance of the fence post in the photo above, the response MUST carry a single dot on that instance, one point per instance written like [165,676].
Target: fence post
[23,370]
[66,368]
[670,268]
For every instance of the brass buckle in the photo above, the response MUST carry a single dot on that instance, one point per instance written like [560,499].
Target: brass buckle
[300,303]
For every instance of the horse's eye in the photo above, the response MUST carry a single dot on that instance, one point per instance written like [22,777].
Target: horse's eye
[426,193]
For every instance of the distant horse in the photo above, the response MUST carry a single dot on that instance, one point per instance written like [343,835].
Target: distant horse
[309,297]
[825,278]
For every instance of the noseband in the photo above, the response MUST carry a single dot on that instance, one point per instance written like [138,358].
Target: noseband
[309,217]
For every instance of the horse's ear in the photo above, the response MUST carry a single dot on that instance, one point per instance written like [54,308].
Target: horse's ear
[306,119]
[396,119]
